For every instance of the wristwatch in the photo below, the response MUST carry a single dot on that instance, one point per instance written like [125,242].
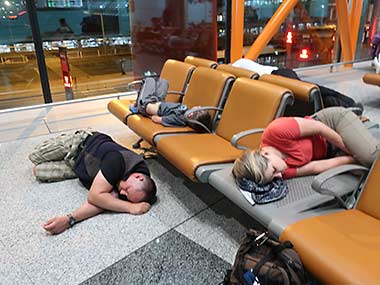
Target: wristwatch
[72,220]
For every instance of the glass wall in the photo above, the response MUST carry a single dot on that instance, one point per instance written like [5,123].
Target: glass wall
[370,39]
[307,37]
[95,47]
[97,39]
[107,43]
[163,29]
[19,76]
[309,34]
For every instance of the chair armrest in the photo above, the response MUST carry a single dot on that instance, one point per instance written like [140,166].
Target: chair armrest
[133,83]
[179,93]
[140,80]
[321,179]
[175,92]
[193,110]
[238,136]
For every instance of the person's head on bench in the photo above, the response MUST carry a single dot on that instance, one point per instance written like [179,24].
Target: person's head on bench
[294,146]
[260,166]
[137,188]
[202,116]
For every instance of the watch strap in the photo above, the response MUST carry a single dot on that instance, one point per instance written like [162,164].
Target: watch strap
[72,220]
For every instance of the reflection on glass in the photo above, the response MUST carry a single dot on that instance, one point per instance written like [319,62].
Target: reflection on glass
[171,29]
[97,37]
[307,37]
[19,77]
[110,41]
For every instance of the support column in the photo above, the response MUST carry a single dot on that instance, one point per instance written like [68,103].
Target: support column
[356,9]
[44,78]
[271,28]
[344,30]
[237,29]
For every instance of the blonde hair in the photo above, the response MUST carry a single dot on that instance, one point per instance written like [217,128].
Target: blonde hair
[251,165]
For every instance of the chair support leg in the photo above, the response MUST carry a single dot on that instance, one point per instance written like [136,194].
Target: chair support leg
[137,145]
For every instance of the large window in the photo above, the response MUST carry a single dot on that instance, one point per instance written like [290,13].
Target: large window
[110,42]
[97,38]
[309,34]
[307,37]
[19,77]
[164,29]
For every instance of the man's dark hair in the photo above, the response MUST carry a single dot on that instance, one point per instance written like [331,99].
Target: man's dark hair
[150,190]
[202,116]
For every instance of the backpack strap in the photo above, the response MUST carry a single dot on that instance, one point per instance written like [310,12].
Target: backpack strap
[283,272]
[244,248]
[293,267]
[275,251]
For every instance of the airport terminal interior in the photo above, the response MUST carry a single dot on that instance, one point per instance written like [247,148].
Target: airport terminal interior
[64,63]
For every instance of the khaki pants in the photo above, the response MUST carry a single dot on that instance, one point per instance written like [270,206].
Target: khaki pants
[55,158]
[358,140]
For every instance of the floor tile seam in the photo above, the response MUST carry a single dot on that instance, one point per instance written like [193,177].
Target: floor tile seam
[20,127]
[47,126]
[80,117]
[36,136]
[159,236]
[129,254]
[198,213]
[16,263]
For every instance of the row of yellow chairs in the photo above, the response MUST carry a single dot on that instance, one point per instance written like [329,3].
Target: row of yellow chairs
[338,247]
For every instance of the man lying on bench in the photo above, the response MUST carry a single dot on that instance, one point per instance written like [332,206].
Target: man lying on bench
[293,146]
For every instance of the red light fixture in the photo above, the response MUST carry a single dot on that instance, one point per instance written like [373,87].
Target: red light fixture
[304,54]
[289,38]
[67,81]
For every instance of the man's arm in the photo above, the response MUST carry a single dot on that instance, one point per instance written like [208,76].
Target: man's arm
[100,195]
[59,224]
[319,166]
[312,127]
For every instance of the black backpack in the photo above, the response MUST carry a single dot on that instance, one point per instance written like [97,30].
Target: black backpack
[261,260]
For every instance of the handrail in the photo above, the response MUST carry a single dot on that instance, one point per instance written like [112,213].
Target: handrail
[331,65]
[74,101]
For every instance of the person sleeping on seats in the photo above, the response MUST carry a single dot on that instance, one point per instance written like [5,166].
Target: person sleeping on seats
[295,146]
[330,97]
[152,104]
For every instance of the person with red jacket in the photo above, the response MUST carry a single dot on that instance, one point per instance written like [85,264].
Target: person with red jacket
[295,146]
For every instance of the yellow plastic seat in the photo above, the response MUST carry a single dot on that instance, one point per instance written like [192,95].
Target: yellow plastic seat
[237,71]
[197,61]
[251,104]
[343,247]
[307,96]
[372,78]
[177,73]
[207,87]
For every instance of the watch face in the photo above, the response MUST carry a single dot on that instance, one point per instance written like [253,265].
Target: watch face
[71,220]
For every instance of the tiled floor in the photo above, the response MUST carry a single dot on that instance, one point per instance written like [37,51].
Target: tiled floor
[189,237]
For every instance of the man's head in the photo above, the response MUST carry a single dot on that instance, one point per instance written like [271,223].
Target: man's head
[202,116]
[138,188]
